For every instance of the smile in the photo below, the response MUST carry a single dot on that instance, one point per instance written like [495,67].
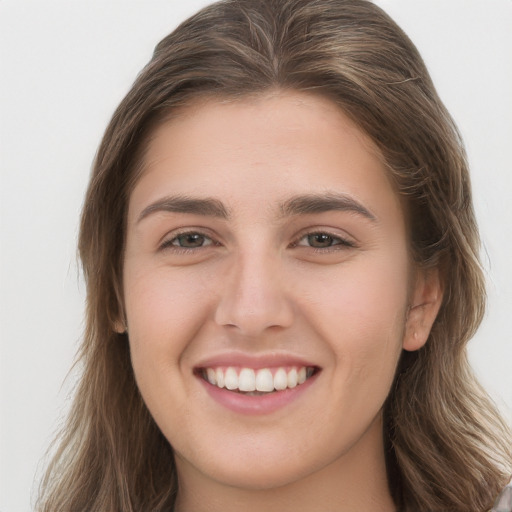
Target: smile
[257,382]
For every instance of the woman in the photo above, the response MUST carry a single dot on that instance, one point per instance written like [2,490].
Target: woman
[282,266]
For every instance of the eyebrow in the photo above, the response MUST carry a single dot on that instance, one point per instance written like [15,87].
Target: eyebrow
[320,203]
[298,205]
[184,204]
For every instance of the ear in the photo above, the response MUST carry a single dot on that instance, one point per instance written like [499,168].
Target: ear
[119,326]
[425,301]
[117,315]
[118,321]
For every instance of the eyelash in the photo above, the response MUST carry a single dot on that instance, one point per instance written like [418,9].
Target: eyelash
[339,243]
[169,244]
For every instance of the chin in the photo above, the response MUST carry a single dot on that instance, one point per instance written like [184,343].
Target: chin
[262,477]
[260,466]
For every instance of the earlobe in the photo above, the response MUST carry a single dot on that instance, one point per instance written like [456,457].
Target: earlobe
[119,327]
[118,321]
[426,299]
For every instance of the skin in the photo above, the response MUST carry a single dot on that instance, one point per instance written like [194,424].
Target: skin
[255,285]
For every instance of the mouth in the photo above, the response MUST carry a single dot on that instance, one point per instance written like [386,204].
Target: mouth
[256,382]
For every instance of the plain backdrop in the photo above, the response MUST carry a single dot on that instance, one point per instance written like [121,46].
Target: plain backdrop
[65,65]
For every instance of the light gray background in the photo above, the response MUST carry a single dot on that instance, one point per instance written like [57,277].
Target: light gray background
[65,65]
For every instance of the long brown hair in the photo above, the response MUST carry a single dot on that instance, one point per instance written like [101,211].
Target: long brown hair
[446,446]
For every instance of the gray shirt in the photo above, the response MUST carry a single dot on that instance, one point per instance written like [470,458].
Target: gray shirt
[504,501]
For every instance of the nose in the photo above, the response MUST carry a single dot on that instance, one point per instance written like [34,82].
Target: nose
[254,296]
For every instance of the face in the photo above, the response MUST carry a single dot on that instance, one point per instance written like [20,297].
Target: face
[267,289]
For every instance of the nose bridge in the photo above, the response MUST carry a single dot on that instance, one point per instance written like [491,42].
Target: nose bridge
[254,295]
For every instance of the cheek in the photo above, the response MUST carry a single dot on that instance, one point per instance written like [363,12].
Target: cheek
[164,310]
[362,312]
[367,296]
[162,305]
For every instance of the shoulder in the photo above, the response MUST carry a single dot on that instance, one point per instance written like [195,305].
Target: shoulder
[504,500]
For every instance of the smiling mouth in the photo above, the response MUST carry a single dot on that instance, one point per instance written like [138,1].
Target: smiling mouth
[257,382]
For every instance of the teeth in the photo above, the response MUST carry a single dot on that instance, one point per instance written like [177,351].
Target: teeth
[280,380]
[292,378]
[210,375]
[219,375]
[247,380]
[264,380]
[231,379]
[251,381]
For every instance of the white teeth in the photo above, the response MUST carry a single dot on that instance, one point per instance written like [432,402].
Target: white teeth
[280,380]
[262,380]
[231,379]
[219,375]
[292,378]
[210,374]
[247,380]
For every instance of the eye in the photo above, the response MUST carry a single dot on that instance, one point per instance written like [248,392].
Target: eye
[321,240]
[191,240]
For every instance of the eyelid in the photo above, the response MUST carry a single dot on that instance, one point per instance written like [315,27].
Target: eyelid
[166,241]
[346,241]
[341,240]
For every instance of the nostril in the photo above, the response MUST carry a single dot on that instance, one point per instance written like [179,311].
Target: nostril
[253,316]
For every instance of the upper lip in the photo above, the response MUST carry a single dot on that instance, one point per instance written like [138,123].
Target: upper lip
[255,361]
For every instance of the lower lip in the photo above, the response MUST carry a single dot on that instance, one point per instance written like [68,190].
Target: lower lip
[259,404]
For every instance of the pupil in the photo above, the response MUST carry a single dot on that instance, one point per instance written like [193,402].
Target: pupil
[320,240]
[191,240]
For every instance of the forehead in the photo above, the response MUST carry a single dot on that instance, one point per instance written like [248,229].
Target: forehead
[236,122]
[270,147]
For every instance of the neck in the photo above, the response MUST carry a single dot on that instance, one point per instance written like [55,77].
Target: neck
[355,481]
